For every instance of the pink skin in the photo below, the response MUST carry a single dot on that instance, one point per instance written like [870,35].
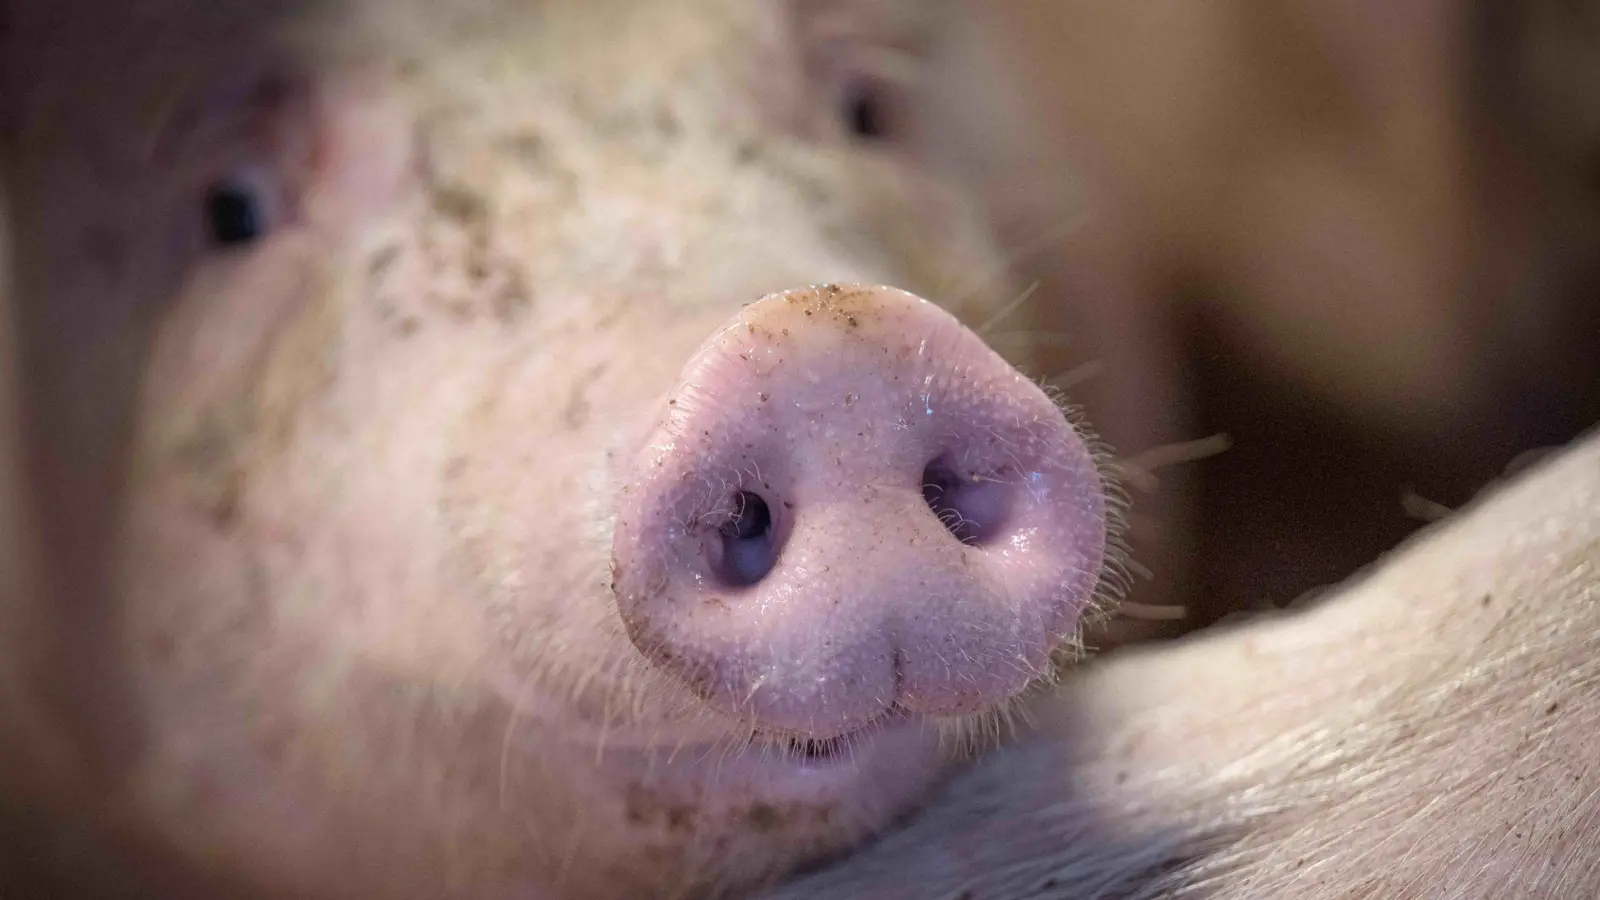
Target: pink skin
[383,455]
[861,430]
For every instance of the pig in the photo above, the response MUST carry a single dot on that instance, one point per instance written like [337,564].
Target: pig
[1425,731]
[362,352]
[475,450]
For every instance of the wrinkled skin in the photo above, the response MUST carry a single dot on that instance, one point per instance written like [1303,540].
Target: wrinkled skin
[413,348]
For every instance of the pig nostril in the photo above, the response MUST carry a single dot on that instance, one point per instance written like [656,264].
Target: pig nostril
[752,518]
[973,507]
[749,549]
[769,553]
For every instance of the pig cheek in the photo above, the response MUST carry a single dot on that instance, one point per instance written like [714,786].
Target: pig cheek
[232,460]
[231,375]
[524,505]
[278,650]
[269,714]
[245,353]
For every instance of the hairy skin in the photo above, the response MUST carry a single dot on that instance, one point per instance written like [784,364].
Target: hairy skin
[1428,731]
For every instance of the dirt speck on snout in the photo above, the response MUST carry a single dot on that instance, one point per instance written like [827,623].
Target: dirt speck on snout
[846,307]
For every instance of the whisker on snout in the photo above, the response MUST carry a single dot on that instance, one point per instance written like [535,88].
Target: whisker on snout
[1139,470]
[1048,240]
[1005,311]
[1031,339]
[1077,375]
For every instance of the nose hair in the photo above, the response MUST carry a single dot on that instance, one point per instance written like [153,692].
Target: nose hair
[851,505]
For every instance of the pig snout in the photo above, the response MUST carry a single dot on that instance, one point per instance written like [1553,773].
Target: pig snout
[853,508]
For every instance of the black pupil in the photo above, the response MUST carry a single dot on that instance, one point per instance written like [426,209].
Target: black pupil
[751,520]
[864,113]
[233,213]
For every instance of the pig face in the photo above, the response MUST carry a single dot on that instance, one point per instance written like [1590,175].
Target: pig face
[477,534]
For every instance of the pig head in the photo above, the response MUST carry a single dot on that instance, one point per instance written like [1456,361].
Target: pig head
[434,506]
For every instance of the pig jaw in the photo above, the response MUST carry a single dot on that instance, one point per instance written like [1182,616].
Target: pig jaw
[852,510]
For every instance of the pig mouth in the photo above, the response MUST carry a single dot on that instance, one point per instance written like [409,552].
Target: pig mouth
[815,751]
[806,751]
[799,749]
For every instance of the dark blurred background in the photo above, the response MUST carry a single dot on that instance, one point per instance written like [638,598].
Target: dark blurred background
[1354,243]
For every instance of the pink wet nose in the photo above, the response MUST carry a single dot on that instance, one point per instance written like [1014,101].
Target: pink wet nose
[850,505]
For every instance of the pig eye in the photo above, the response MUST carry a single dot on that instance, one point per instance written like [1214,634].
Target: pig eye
[862,109]
[868,109]
[239,210]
